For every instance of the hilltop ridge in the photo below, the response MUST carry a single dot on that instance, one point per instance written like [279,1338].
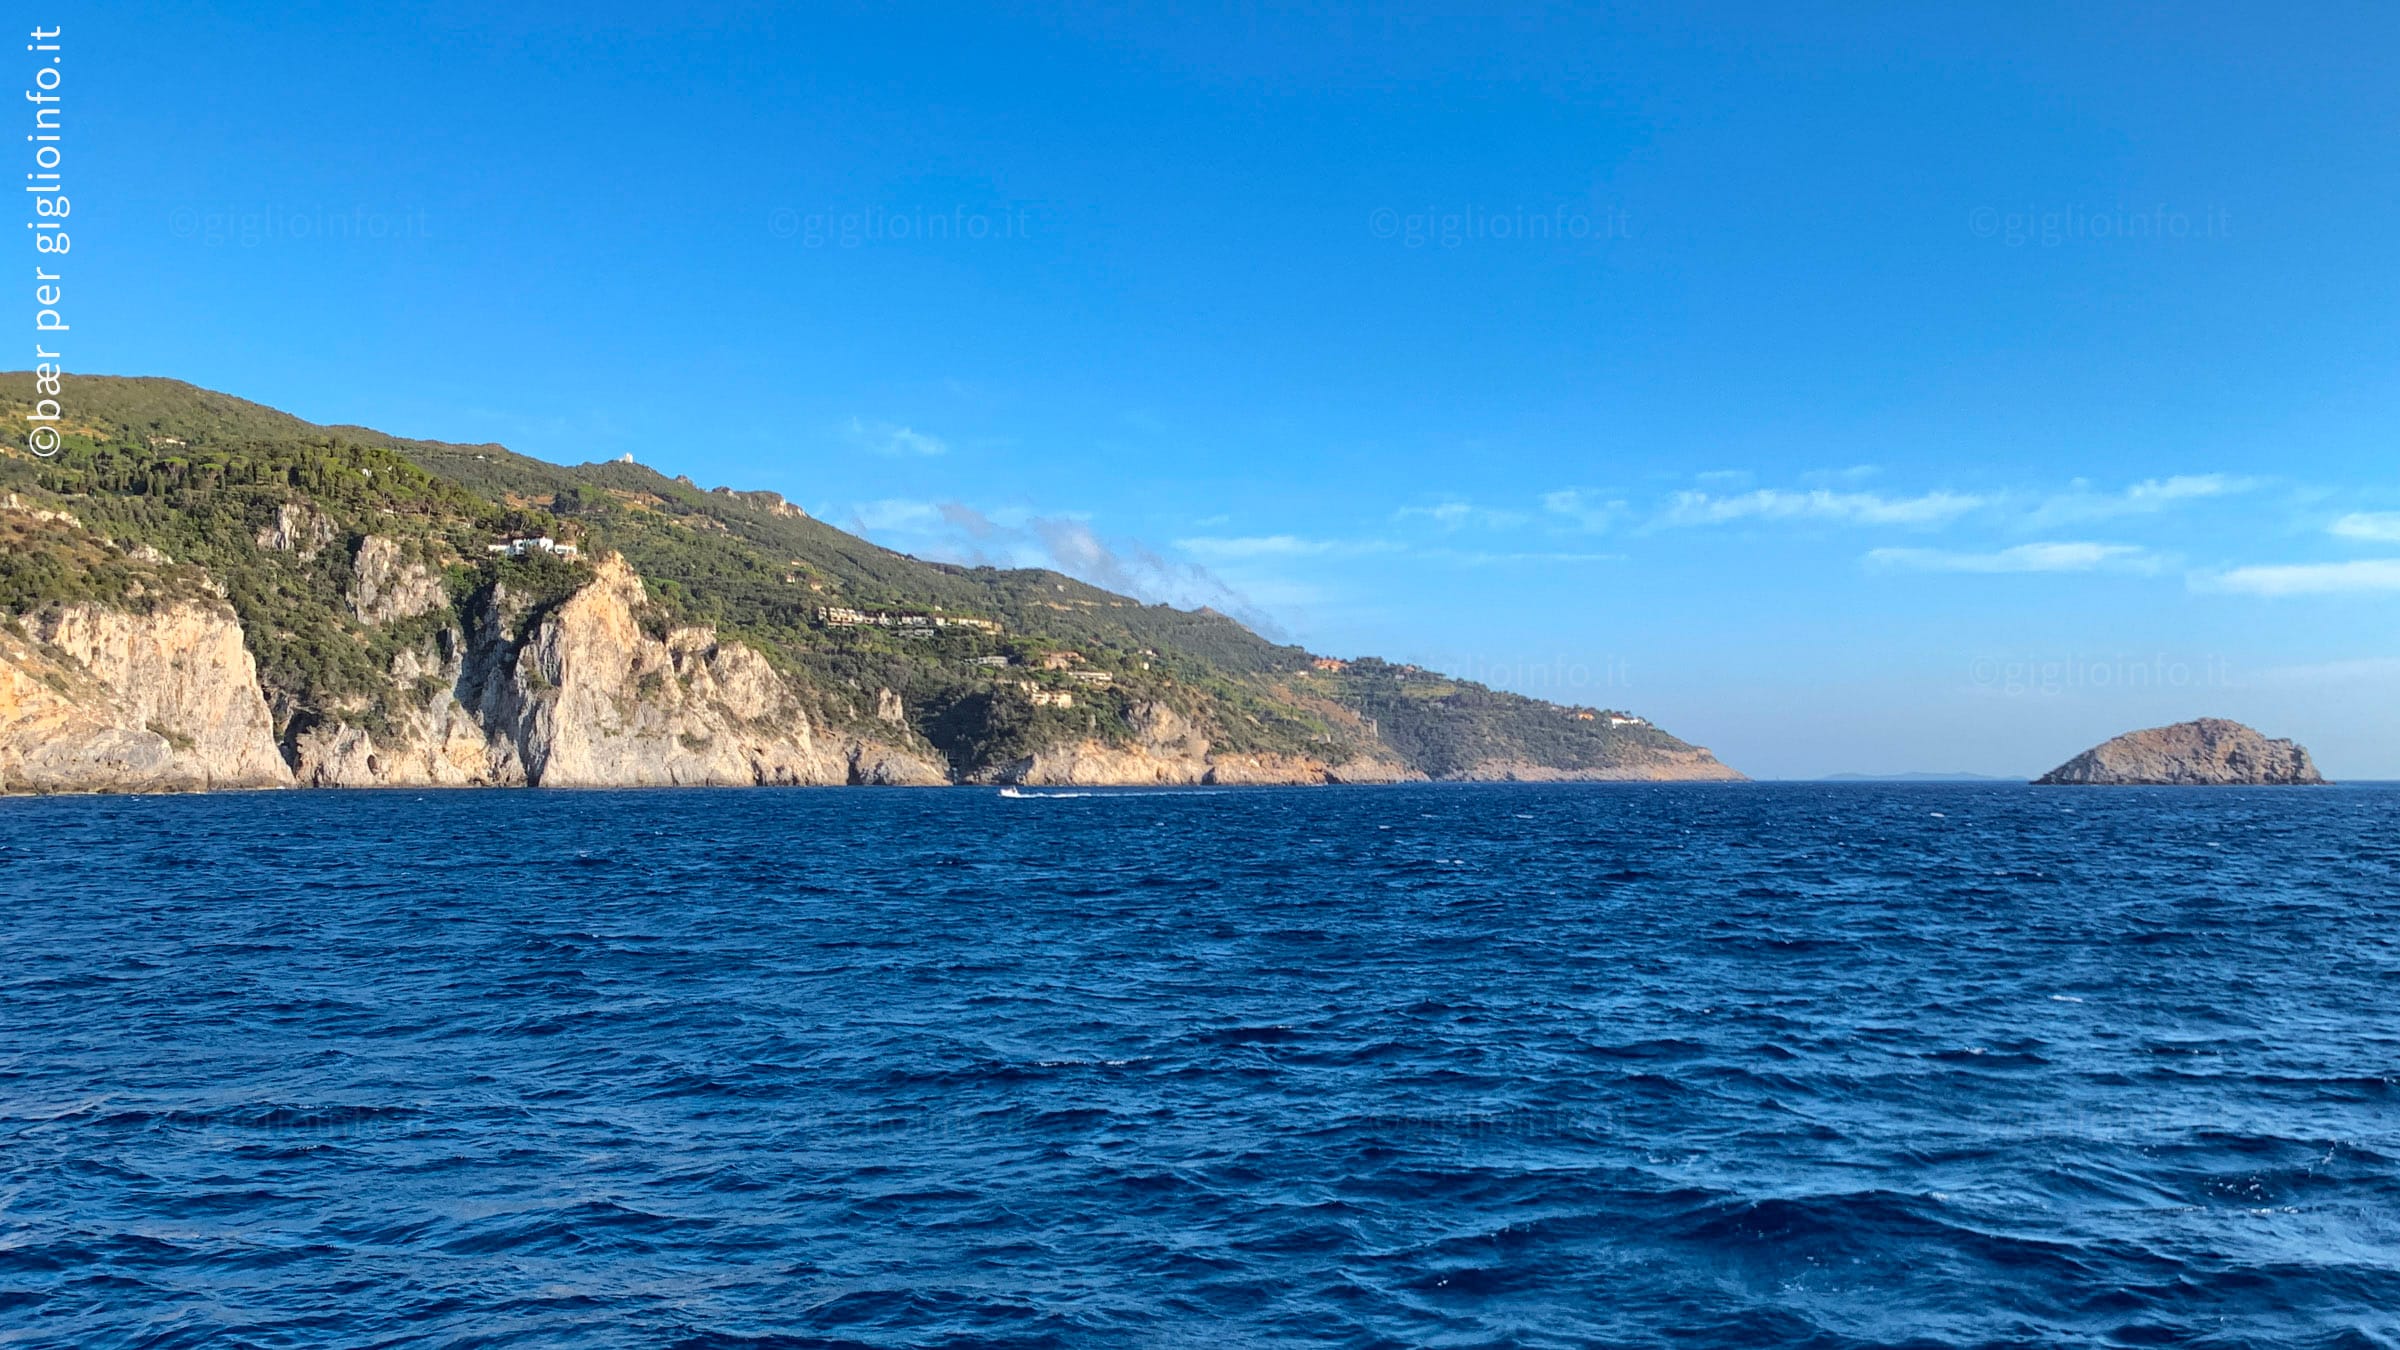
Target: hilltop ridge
[389,610]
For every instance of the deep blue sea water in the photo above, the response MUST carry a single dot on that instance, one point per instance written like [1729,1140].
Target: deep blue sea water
[1739,1066]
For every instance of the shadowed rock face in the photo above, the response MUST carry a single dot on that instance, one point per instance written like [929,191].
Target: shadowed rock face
[2211,752]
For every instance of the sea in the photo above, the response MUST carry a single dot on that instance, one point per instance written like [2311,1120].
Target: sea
[1740,1065]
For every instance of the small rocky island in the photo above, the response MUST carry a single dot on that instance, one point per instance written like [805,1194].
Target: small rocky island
[2211,752]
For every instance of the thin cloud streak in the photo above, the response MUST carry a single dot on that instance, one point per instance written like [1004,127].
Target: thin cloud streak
[2381,527]
[885,438]
[1246,547]
[2052,557]
[1820,504]
[953,532]
[2380,669]
[2364,577]
[2151,495]
[1453,515]
[1585,510]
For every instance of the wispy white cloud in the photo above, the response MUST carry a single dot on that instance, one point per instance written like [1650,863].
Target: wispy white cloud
[2382,527]
[2152,493]
[885,438]
[1453,515]
[952,532]
[2054,557]
[2082,502]
[1479,558]
[2363,577]
[1820,504]
[1856,473]
[968,521]
[1245,547]
[1586,510]
[894,513]
[2381,669]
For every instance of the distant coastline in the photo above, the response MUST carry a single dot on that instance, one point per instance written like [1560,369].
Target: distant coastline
[1915,778]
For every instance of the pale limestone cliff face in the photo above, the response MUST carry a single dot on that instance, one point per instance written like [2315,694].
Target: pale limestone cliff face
[589,699]
[444,743]
[608,706]
[296,529]
[96,699]
[386,585]
[1165,749]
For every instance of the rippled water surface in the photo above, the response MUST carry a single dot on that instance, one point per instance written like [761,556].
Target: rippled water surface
[1717,1066]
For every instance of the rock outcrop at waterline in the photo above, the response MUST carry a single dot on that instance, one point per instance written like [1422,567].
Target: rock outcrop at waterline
[100,699]
[583,697]
[2210,752]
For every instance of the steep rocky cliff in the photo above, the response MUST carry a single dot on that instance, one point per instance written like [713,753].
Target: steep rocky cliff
[2210,752]
[580,695]
[154,689]
[95,698]
[604,704]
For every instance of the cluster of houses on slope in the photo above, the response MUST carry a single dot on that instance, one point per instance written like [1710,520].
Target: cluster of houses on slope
[1073,664]
[518,548]
[1070,664]
[903,623]
[1057,698]
[1334,665]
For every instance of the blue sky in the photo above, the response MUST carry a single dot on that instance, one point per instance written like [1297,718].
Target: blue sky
[1846,388]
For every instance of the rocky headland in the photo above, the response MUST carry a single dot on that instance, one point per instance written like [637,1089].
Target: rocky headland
[2210,752]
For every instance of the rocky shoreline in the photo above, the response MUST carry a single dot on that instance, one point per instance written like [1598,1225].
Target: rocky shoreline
[97,699]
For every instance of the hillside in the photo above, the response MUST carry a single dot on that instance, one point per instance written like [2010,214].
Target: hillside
[738,640]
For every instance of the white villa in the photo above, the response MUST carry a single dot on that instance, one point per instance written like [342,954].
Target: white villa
[518,548]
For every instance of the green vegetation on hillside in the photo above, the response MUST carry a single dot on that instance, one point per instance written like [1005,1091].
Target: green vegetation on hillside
[1447,727]
[203,492]
[273,508]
